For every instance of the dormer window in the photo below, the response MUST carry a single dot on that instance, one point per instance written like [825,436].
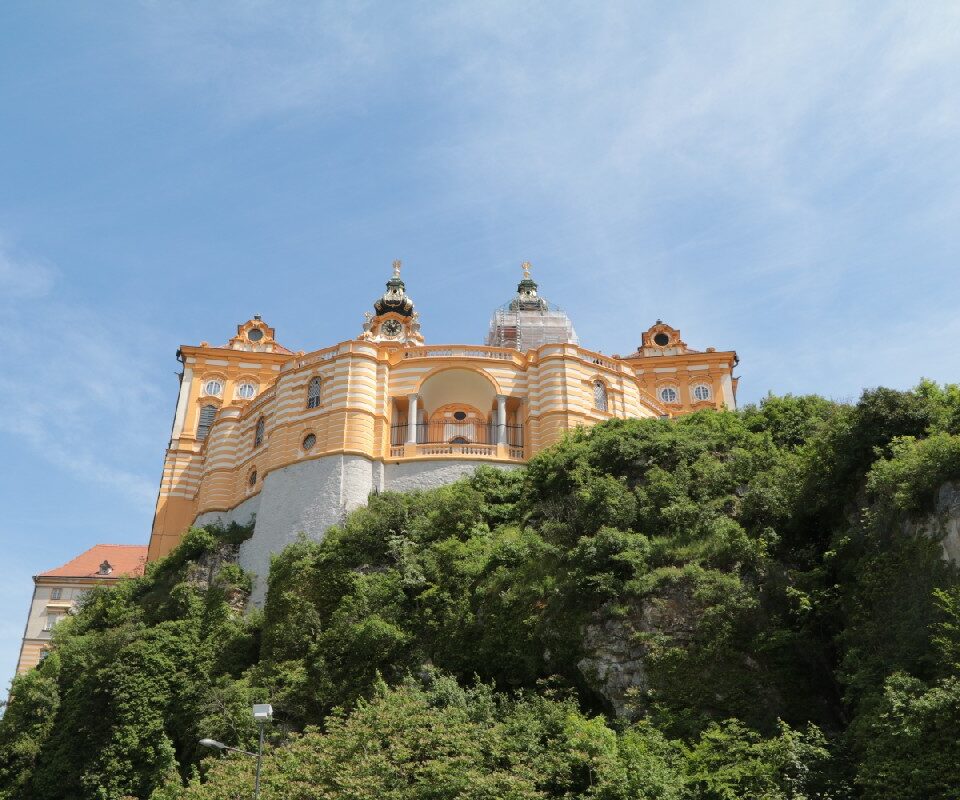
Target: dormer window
[661,339]
[255,334]
[105,568]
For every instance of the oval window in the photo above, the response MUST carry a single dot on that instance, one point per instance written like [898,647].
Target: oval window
[309,441]
[669,395]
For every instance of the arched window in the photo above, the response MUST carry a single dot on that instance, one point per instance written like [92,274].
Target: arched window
[246,390]
[309,441]
[258,433]
[701,392]
[213,387]
[668,394]
[207,415]
[599,396]
[313,393]
[252,478]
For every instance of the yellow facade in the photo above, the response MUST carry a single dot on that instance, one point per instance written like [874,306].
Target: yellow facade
[391,399]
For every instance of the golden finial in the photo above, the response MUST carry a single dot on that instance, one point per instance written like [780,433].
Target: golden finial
[396,268]
[525,266]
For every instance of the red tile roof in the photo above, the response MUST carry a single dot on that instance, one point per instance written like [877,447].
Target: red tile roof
[125,559]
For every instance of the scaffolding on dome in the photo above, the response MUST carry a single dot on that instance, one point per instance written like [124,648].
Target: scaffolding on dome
[527,329]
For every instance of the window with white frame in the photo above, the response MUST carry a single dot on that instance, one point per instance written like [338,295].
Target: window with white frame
[207,415]
[213,387]
[246,390]
[51,622]
[258,433]
[56,594]
[313,393]
[668,394]
[702,392]
[599,396]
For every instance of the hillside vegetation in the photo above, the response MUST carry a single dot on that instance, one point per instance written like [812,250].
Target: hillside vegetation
[729,605]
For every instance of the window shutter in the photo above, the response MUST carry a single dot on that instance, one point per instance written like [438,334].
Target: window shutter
[207,415]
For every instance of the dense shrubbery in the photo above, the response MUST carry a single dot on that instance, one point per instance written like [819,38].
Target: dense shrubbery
[787,634]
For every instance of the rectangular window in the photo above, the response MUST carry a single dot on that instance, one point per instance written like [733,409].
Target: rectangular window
[207,415]
[56,594]
[51,622]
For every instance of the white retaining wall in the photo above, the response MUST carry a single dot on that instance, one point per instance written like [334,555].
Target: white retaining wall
[311,496]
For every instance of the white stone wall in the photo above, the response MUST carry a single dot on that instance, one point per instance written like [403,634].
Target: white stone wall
[409,476]
[307,498]
[314,495]
[240,514]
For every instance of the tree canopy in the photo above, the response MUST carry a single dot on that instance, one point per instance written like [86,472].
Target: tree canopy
[726,605]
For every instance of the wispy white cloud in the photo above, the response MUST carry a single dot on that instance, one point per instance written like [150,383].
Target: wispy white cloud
[746,166]
[253,58]
[22,278]
[74,388]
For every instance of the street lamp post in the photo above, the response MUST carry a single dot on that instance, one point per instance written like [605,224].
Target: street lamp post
[262,713]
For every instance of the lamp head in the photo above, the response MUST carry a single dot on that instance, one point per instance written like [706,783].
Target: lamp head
[213,743]
[262,712]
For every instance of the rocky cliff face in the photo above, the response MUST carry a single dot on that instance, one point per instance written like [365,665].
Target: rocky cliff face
[615,646]
[615,640]
[943,523]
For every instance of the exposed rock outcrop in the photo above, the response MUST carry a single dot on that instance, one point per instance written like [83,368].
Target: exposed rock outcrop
[943,523]
[615,647]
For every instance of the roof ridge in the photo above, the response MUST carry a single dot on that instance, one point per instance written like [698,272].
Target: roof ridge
[107,544]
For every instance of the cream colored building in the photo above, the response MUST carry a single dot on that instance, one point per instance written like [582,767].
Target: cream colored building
[294,440]
[56,591]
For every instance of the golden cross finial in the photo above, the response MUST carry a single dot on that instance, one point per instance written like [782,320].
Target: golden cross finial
[396,268]
[525,266]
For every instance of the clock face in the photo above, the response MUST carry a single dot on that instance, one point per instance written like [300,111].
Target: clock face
[391,328]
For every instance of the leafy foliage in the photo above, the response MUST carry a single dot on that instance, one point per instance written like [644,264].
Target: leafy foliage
[728,605]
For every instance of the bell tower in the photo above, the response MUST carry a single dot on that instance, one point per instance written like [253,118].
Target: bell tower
[395,320]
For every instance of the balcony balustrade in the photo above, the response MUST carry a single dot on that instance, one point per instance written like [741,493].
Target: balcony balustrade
[457,433]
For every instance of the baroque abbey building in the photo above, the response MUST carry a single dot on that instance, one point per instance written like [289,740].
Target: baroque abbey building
[294,440]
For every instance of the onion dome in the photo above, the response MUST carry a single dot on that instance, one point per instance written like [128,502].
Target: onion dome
[394,300]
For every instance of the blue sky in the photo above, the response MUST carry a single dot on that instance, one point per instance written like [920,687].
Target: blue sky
[780,179]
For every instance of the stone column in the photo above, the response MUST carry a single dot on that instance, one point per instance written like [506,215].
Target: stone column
[501,419]
[412,403]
